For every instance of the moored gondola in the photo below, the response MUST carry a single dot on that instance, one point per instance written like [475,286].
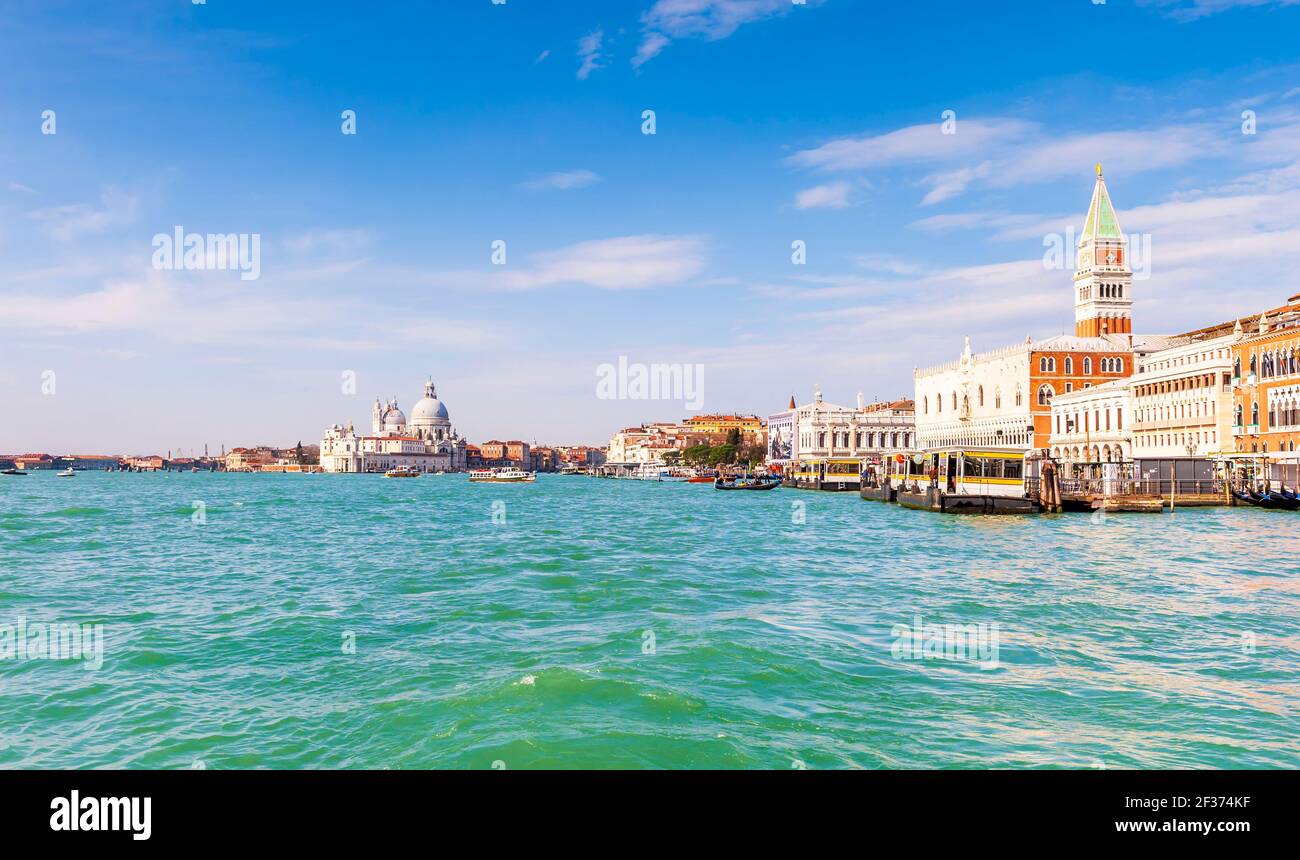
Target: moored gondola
[1268,500]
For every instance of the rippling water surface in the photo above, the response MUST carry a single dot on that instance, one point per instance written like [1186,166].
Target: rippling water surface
[626,624]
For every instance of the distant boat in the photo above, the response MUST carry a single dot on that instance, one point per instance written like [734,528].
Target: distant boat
[746,484]
[402,472]
[66,473]
[502,475]
[17,472]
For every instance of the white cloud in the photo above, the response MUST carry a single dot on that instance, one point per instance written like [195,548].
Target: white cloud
[915,144]
[699,19]
[621,263]
[328,242]
[650,46]
[70,222]
[1127,152]
[1004,153]
[562,180]
[833,195]
[18,186]
[589,53]
[1191,10]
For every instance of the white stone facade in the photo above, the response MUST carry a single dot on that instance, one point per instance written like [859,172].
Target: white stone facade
[825,430]
[1183,397]
[428,443]
[1093,425]
[977,400]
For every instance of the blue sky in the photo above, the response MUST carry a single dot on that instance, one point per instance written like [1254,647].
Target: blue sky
[522,122]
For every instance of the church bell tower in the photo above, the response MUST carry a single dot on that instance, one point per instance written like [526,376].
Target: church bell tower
[1103,281]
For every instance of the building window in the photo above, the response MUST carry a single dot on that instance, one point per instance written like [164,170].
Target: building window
[1069,365]
[1045,395]
[1087,367]
[981,395]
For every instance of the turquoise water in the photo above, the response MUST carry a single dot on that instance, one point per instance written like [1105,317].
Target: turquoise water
[626,624]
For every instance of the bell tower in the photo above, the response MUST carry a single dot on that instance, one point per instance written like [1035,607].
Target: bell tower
[1103,281]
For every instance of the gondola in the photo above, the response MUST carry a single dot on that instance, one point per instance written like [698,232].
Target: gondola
[15,472]
[719,484]
[1270,501]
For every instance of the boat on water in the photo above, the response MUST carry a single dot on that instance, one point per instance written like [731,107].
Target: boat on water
[16,472]
[573,470]
[502,475]
[720,483]
[703,478]
[657,472]
[402,472]
[834,474]
[965,481]
[1269,499]
[66,473]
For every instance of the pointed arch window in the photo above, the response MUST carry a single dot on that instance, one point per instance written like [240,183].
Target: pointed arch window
[1045,395]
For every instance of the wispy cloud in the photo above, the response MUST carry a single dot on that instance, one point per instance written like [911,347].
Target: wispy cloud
[328,242]
[1191,10]
[621,263]
[70,222]
[1004,153]
[589,53]
[699,19]
[832,195]
[917,144]
[561,180]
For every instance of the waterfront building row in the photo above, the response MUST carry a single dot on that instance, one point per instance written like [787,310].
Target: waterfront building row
[802,437]
[654,443]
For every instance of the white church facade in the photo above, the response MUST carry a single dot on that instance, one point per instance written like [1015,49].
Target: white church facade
[426,443]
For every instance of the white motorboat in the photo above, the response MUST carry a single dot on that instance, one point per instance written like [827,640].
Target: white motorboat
[502,475]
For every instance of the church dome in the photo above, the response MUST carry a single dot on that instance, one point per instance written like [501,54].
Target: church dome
[394,419]
[429,409]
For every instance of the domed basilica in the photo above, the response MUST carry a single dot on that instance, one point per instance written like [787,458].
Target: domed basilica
[427,442]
